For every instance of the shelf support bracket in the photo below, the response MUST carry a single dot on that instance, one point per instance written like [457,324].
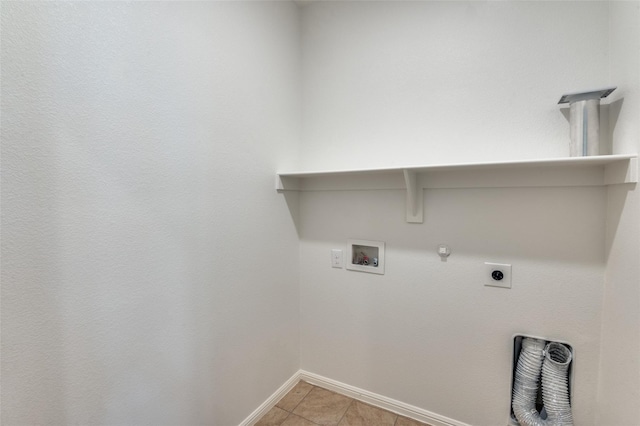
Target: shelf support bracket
[415,198]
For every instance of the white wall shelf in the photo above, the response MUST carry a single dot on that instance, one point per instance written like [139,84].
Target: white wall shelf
[574,171]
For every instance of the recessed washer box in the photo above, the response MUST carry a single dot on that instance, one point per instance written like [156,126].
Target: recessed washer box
[365,256]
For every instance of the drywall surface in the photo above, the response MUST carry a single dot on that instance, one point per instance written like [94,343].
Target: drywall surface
[429,333]
[426,82]
[398,83]
[619,389]
[149,270]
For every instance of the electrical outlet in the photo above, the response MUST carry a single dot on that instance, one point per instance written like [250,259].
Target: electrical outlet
[497,275]
[336,258]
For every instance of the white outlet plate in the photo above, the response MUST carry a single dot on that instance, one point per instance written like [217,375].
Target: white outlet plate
[505,268]
[336,258]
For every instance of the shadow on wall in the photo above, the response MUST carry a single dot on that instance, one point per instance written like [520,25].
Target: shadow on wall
[555,223]
[617,196]
[292,199]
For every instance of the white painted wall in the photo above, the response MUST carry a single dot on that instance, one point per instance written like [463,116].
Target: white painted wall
[429,333]
[138,148]
[392,83]
[398,83]
[149,270]
[619,390]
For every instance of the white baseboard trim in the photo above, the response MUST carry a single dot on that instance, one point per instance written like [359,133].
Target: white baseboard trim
[272,400]
[371,398]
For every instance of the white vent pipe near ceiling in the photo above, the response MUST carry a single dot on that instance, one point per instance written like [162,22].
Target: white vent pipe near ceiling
[553,360]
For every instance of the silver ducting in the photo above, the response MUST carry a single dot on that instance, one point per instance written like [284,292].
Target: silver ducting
[584,117]
[552,360]
[555,384]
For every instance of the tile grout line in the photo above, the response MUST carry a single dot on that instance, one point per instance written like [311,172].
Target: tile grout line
[345,411]
[291,413]
[303,398]
[309,420]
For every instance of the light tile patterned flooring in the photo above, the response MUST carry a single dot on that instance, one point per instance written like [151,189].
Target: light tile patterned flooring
[309,405]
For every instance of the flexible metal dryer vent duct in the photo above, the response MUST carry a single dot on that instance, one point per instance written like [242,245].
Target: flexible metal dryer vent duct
[553,359]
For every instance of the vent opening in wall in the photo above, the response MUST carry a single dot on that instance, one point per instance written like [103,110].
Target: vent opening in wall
[366,256]
[527,387]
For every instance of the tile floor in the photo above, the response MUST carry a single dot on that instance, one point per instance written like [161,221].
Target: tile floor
[309,405]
